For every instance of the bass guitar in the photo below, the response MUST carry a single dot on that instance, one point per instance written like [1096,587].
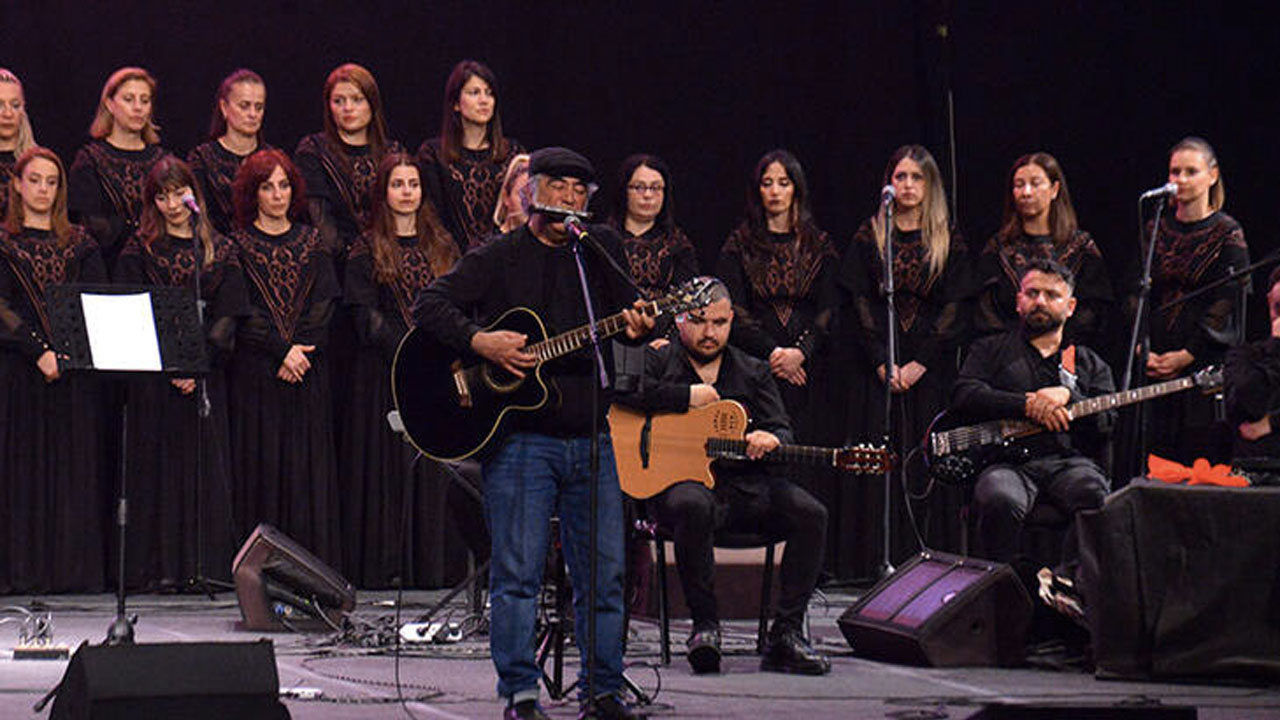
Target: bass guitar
[955,456]
[654,452]
[452,410]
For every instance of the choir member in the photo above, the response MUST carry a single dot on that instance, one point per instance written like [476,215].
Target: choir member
[509,213]
[52,477]
[462,168]
[780,269]
[658,251]
[282,444]
[1040,222]
[339,162]
[235,133]
[1196,244]
[108,172]
[15,131]
[405,247]
[932,278]
[181,505]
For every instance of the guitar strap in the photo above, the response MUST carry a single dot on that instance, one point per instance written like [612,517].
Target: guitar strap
[1067,368]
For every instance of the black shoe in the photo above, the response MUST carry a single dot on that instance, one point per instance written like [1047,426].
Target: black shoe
[608,707]
[704,651]
[787,651]
[526,710]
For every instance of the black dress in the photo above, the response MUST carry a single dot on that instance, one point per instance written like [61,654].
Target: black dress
[7,161]
[282,443]
[215,167]
[659,259]
[465,192]
[1000,269]
[932,313]
[784,292]
[1188,256]
[105,192]
[165,509]
[52,472]
[377,485]
[341,176]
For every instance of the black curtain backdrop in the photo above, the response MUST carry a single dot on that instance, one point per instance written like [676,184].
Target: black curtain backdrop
[1107,87]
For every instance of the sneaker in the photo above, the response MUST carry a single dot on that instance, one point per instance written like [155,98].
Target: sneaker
[787,651]
[704,651]
[1059,592]
[525,710]
[608,707]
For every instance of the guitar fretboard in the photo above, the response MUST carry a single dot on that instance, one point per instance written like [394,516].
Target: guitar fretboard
[805,454]
[580,337]
[1094,405]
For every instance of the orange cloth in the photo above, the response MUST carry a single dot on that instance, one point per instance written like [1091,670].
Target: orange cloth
[1200,473]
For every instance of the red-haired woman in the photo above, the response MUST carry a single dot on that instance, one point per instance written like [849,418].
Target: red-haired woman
[933,286]
[339,162]
[404,248]
[15,132]
[281,415]
[52,475]
[463,168]
[235,133]
[105,188]
[164,527]
[1040,222]
[780,269]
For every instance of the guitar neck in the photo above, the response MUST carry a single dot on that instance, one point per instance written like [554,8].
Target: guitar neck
[1095,405]
[798,454]
[580,337]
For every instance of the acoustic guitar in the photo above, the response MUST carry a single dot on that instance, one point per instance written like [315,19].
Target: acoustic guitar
[453,409]
[656,451]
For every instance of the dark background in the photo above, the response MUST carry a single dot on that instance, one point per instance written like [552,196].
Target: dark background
[1107,87]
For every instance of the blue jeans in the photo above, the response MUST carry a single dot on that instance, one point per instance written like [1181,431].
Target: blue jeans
[527,481]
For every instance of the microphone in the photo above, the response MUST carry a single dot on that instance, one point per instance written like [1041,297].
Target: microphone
[887,194]
[189,199]
[573,224]
[1165,189]
[559,213]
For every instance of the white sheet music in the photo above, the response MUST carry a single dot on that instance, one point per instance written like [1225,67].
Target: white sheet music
[122,332]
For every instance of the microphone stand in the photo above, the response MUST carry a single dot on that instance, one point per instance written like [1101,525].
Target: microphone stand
[1140,336]
[891,363]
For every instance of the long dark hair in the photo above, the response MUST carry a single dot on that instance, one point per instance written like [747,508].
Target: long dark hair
[58,213]
[168,174]
[253,172]
[218,124]
[666,216]
[802,223]
[359,76]
[1062,214]
[451,123]
[442,251]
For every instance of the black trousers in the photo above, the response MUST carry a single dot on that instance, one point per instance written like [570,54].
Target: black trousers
[1005,493]
[762,504]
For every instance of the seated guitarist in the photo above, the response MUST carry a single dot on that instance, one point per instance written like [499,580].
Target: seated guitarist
[1028,373]
[751,497]
[541,469]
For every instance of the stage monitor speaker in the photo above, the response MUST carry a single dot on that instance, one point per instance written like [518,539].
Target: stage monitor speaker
[278,581]
[942,610]
[193,681]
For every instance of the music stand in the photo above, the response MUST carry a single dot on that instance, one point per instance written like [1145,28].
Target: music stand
[118,330]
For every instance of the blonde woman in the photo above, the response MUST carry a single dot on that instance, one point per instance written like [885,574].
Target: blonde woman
[15,131]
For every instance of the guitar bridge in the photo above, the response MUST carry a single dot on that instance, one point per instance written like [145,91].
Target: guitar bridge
[460,384]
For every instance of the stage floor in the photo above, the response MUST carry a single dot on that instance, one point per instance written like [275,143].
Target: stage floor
[457,680]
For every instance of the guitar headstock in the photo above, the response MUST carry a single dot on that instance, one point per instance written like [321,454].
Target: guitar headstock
[865,459]
[689,295]
[1208,379]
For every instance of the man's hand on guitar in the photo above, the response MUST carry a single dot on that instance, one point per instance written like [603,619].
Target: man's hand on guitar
[504,348]
[701,395]
[638,323]
[760,442]
[1047,406]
